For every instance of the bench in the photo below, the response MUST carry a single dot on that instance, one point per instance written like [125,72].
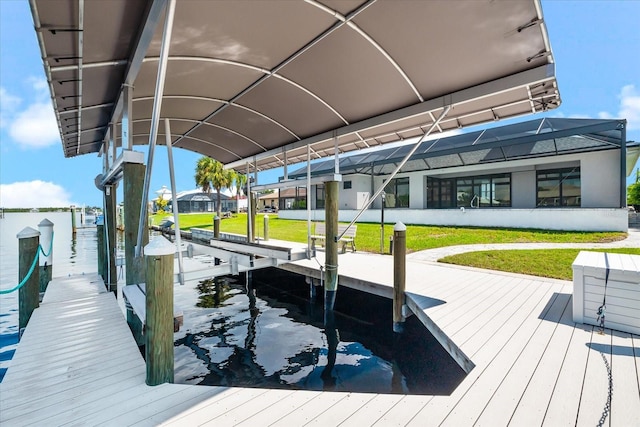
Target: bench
[348,238]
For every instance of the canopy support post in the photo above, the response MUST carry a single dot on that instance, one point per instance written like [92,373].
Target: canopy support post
[249,210]
[623,165]
[309,254]
[155,118]
[174,199]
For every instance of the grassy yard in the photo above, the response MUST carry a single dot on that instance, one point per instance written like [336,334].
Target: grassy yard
[546,263]
[554,263]
[419,237]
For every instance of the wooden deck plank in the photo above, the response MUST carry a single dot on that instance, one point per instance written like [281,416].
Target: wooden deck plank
[209,410]
[483,332]
[565,400]
[403,412]
[70,371]
[473,302]
[480,313]
[625,403]
[596,379]
[279,409]
[250,408]
[310,409]
[533,402]
[373,410]
[506,398]
[148,401]
[339,412]
[176,410]
[474,402]
[52,410]
[514,320]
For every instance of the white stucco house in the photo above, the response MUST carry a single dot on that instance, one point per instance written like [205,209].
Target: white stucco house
[549,173]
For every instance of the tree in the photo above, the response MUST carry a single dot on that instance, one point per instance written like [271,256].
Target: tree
[240,181]
[204,169]
[161,203]
[633,192]
[210,174]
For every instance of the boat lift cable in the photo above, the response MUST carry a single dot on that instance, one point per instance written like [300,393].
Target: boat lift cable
[33,267]
[395,172]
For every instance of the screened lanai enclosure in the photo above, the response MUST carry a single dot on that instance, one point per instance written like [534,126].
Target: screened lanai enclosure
[544,173]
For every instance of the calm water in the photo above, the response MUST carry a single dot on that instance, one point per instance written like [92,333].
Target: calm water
[70,256]
[266,333]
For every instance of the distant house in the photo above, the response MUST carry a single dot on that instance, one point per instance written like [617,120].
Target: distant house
[550,173]
[287,198]
[197,201]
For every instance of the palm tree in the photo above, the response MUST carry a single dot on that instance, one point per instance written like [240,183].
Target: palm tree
[210,174]
[240,181]
[204,168]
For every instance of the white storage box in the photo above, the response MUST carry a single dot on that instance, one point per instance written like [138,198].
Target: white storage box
[622,290]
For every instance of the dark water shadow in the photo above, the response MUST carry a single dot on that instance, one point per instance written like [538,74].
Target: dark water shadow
[265,333]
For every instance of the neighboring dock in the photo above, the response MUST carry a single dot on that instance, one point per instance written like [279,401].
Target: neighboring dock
[78,363]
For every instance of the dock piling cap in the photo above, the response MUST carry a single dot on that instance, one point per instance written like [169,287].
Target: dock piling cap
[399,226]
[45,223]
[28,232]
[159,246]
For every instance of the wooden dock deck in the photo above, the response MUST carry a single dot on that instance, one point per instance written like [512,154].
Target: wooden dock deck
[78,364]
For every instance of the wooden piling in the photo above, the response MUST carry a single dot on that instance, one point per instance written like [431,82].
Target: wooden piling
[28,295]
[133,182]
[73,220]
[216,227]
[46,260]
[331,248]
[110,216]
[399,274]
[101,248]
[159,309]
[266,227]
[251,228]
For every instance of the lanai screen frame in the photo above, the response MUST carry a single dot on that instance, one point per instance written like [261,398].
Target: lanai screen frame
[598,134]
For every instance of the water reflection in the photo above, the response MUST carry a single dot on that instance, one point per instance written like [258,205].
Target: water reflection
[266,333]
[213,292]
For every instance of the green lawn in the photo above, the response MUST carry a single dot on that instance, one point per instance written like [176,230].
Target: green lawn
[554,263]
[546,263]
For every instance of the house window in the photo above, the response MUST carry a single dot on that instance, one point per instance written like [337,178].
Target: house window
[558,188]
[346,185]
[440,193]
[397,193]
[483,191]
[320,196]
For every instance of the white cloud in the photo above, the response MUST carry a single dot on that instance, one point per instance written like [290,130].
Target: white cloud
[35,127]
[8,105]
[40,86]
[33,194]
[629,107]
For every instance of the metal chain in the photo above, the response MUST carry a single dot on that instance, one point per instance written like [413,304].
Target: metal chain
[607,407]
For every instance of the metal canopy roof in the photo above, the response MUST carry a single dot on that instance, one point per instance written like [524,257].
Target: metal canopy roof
[531,139]
[246,81]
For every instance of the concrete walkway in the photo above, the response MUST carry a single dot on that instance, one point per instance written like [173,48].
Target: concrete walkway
[433,255]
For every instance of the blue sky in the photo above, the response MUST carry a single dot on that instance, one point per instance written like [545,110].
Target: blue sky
[596,46]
